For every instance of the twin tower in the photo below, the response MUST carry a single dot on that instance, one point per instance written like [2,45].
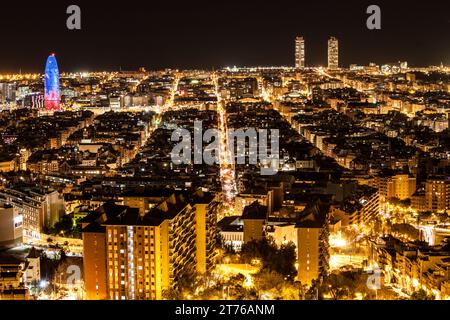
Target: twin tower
[333,53]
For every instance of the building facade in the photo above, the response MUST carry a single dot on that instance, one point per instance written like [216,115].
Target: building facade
[39,208]
[299,52]
[333,53]
[400,186]
[11,232]
[437,193]
[312,243]
[142,256]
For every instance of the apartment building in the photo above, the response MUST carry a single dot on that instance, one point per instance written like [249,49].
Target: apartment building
[312,242]
[39,207]
[141,255]
[400,186]
[437,193]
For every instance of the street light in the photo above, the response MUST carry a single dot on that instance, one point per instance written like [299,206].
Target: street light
[43,284]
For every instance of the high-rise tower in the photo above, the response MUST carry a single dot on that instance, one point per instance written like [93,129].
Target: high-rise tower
[333,53]
[51,84]
[299,52]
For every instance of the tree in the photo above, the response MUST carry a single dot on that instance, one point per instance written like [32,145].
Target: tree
[188,282]
[65,225]
[345,284]
[336,285]
[238,278]
[421,295]
[285,261]
[172,294]
[237,290]
[280,260]
[269,282]
[313,292]
[301,289]
[263,250]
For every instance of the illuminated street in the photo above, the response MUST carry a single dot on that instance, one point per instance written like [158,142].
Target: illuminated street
[227,173]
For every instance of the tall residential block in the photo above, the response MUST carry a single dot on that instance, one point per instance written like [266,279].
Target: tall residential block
[437,193]
[333,53]
[146,254]
[312,242]
[299,52]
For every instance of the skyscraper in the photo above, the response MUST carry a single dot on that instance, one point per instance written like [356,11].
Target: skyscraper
[299,52]
[333,53]
[51,84]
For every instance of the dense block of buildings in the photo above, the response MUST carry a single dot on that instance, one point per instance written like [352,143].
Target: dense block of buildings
[400,186]
[308,230]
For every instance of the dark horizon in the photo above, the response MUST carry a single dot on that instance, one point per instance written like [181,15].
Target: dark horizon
[201,35]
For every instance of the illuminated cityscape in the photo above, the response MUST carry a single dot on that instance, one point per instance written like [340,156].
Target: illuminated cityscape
[312,181]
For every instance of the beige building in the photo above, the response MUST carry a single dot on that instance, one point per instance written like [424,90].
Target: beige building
[418,202]
[255,220]
[144,200]
[400,186]
[299,52]
[7,165]
[359,210]
[437,194]
[312,243]
[39,207]
[32,274]
[94,262]
[11,231]
[333,53]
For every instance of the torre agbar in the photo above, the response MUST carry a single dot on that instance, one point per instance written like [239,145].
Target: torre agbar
[51,84]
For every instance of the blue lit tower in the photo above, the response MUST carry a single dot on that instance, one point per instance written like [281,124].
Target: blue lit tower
[51,84]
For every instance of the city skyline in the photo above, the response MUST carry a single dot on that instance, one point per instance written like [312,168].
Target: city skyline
[241,152]
[198,36]
[351,203]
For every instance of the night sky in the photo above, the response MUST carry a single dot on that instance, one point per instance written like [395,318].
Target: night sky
[199,34]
